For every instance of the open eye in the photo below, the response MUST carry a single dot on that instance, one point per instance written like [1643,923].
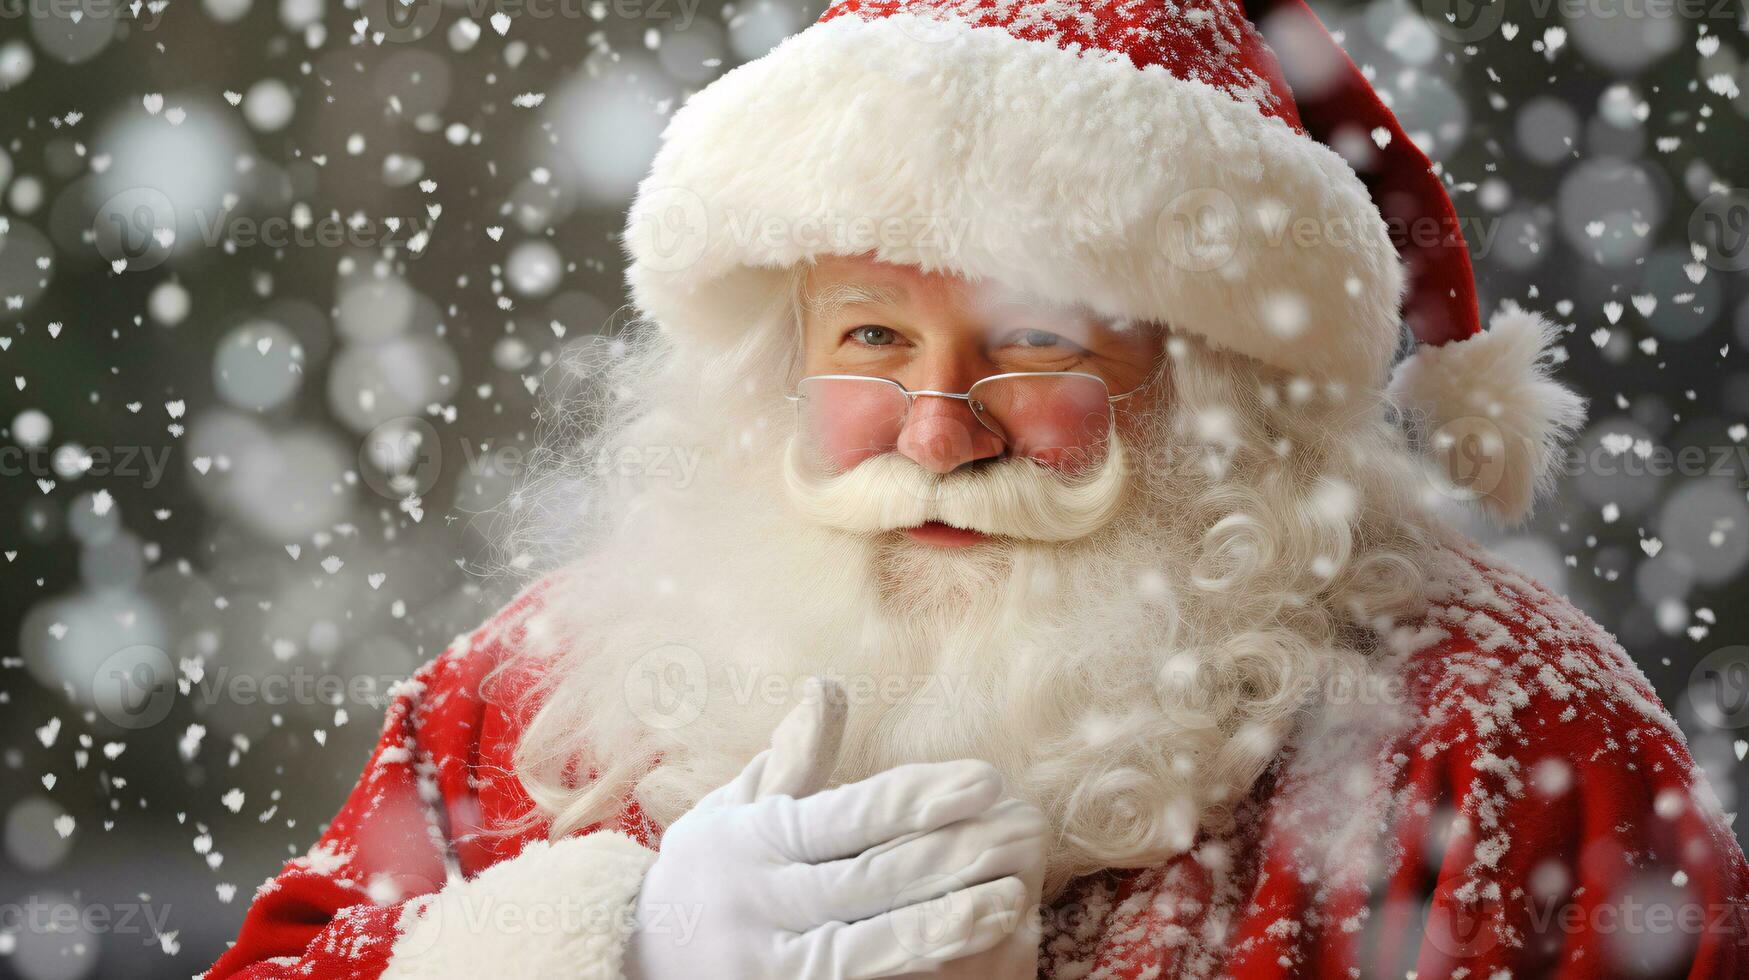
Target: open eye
[871,335]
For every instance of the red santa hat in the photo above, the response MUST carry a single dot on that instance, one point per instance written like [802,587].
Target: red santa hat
[1145,158]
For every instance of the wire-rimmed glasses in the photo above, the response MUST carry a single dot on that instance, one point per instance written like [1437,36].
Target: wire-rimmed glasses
[1060,418]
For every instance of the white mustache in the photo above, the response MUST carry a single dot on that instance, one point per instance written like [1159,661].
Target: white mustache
[1016,497]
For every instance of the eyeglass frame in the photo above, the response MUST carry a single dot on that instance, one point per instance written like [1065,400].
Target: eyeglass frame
[966,396]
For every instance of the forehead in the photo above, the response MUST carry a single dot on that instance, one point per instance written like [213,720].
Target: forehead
[835,283]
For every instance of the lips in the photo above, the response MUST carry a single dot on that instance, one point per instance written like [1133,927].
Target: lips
[945,535]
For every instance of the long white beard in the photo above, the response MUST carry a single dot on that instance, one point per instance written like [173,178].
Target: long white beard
[1133,681]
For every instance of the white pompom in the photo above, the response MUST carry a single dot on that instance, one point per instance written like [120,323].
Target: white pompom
[1490,411]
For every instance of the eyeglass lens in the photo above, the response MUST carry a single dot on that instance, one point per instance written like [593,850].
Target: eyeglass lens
[1062,420]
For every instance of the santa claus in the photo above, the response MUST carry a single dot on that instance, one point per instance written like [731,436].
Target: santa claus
[1059,589]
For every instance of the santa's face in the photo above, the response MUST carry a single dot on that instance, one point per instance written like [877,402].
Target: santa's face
[931,375]
[1121,602]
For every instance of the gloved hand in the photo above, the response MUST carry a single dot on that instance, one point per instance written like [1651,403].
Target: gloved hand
[911,871]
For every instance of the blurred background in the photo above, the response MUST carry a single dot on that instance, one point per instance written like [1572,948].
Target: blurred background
[280,279]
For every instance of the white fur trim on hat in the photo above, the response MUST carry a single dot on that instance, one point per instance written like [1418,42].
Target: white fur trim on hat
[564,909]
[1490,411]
[1073,174]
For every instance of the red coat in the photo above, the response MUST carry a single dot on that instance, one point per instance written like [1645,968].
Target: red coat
[1536,813]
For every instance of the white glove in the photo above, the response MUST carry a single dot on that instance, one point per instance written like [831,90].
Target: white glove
[906,872]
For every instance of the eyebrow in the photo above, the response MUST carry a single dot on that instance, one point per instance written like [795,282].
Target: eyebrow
[830,301]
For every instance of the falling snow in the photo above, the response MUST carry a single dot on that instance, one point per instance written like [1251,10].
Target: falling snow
[274,327]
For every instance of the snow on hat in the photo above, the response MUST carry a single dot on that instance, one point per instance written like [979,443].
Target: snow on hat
[1150,159]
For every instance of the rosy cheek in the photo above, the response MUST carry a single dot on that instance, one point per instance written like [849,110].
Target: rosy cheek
[844,424]
[1071,462]
[849,459]
[1073,445]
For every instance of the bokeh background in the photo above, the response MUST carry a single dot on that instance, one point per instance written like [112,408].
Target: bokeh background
[279,280]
